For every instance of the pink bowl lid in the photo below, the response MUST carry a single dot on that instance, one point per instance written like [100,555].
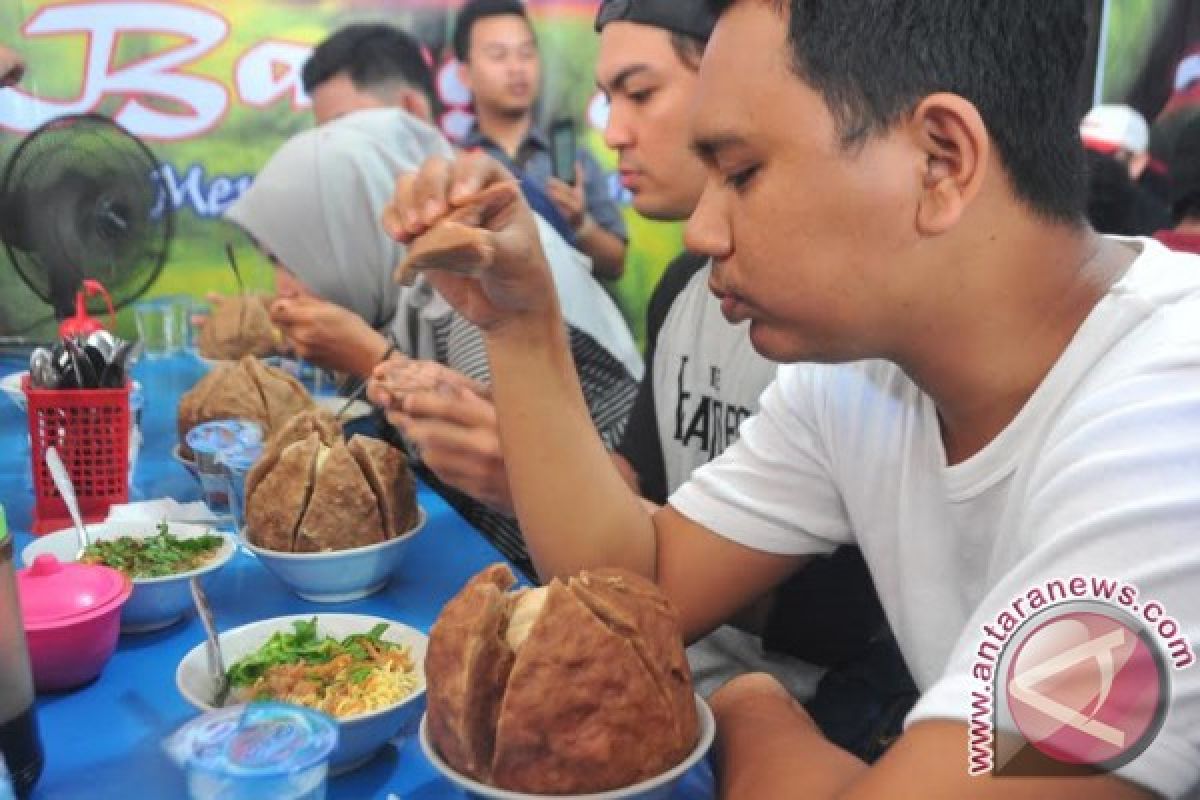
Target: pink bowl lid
[55,593]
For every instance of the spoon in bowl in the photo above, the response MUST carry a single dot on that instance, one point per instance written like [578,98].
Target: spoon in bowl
[212,649]
[62,482]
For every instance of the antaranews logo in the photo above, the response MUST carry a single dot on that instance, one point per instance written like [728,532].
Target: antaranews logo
[1079,671]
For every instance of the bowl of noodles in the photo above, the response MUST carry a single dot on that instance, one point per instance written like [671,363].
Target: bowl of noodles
[159,558]
[366,672]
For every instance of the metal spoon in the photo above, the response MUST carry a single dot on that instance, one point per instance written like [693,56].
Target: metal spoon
[103,341]
[42,373]
[85,375]
[114,374]
[63,366]
[212,649]
[62,482]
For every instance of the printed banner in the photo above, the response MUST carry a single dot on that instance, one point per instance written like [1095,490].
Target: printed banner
[213,88]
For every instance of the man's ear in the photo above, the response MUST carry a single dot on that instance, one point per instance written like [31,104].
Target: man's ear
[464,75]
[415,103]
[957,148]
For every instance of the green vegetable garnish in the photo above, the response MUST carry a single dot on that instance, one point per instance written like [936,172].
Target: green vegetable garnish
[153,556]
[303,647]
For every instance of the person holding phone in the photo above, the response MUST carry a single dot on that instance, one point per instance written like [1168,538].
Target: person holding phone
[500,64]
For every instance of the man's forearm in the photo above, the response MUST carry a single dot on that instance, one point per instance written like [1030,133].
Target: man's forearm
[627,472]
[365,352]
[770,747]
[575,509]
[606,249]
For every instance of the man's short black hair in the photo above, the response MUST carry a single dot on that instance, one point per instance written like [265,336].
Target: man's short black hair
[1115,204]
[373,56]
[475,10]
[689,49]
[1017,61]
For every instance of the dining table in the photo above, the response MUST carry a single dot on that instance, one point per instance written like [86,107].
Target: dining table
[105,739]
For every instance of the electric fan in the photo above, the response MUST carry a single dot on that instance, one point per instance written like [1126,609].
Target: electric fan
[79,200]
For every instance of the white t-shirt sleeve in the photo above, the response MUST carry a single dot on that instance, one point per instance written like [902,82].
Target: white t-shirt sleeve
[772,489]
[1115,495]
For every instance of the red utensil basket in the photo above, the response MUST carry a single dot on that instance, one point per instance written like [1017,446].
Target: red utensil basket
[90,430]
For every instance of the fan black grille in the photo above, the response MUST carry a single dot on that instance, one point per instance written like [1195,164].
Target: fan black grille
[79,199]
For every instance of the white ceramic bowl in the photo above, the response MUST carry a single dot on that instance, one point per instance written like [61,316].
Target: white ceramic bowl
[338,576]
[10,384]
[359,736]
[155,602]
[656,788]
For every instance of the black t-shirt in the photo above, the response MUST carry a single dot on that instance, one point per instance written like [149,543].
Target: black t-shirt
[640,444]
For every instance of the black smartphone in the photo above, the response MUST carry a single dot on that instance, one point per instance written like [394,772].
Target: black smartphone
[562,150]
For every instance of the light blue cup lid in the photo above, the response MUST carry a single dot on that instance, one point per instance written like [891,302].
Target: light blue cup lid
[259,740]
[241,459]
[223,436]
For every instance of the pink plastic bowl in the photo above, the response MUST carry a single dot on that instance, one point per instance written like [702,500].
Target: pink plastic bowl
[72,616]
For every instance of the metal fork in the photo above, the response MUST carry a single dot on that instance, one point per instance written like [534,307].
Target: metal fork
[212,649]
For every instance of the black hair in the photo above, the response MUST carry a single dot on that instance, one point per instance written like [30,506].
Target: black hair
[475,10]
[689,49]
[1185,173]
[1017,61]
[372,55]
[1115,204]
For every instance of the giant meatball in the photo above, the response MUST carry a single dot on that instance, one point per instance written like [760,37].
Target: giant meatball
[577,687]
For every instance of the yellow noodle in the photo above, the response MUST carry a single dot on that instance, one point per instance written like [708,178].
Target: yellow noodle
[329,688]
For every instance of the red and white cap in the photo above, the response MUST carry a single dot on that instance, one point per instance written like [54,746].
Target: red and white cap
[1186,91]
[1110,128]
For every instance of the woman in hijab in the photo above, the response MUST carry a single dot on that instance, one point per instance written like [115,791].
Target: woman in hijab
[315,209]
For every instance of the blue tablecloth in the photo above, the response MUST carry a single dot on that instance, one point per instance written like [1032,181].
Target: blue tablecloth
[104,740]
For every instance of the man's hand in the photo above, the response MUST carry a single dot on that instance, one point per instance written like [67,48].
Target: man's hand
[515,281]
[12,67]
[451,421]
[569,200]
[770,747]
[329,335]
[401,375]
[606,249]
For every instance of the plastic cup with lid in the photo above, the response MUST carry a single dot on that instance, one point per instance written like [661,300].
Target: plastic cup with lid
[253,751]
[213,441]
[237,463]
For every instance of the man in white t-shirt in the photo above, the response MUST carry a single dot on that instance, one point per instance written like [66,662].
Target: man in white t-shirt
[1010,403]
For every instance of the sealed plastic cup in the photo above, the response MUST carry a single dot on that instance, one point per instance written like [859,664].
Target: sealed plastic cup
[256,751]
[214,441]
[237,464]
